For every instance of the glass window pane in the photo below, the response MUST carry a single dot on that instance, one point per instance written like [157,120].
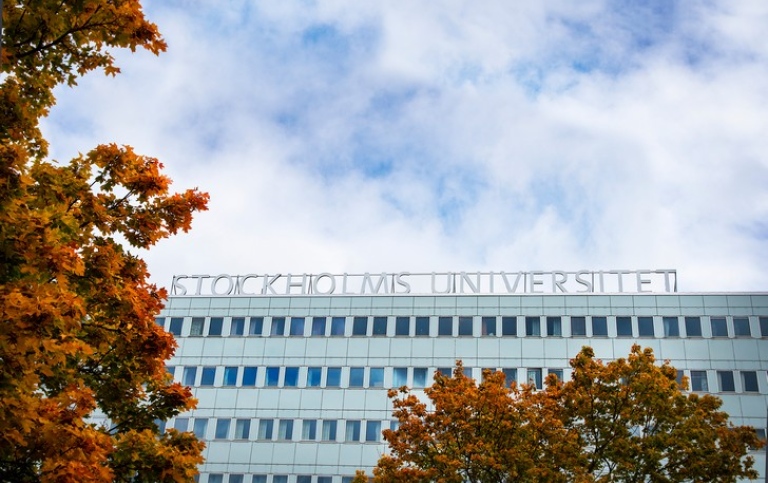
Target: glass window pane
[533,326]
[445,371]
[599,327]
[422,327]
[285,430]
[230,376]
[333,378]
[399,377]
[419,377]
[725,378]
[337,326]
[265,428]
[379,326]
[189,376]
[278,327]
[719,327]
[699,381]
[199,428]
[624,326]
[318,326]
[465,326]
[259,479]
[445,326]
[309,429]
[741,327]
[329,430]
[671,327]
[314,375]
[280,479]
[403,326]
[273,376]
[249,376]
[578,326]
[645,327]
[303,479]
[554,327]
[360,326]
[197,326]
[237,326]
[256,326]
[763,326]
[352,431]
[243,429]
[488,326]
[215,478]
[291,377]
[557,372]
[209,375]
[356,376]
[214,328]
[376,377]
[181,424]
[510,375]
[534,378]
[235,479]
[373,431]
[509,326]
[749,380]
[693,326]
[176,324]
[222,428]
[297,326]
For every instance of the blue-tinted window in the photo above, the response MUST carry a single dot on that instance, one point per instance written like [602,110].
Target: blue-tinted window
[209,375]
[353,431]
[376,377]
[749,381]
[222,428]
[214,328]
[318,326]
[176,323]
[329,430]
[303,479]
[719,327]
[249,376]
[230,376]
[399,377]
[297,326]
[379,326]
[189,376]
[419,377]
[273,377]
[160,321]
[181,424]
[422,327]
[445,326]
[291,377]
[373,431]
[278,326]
[554,327]
[671,326]
[534,377]
[259,479]
[741,327]
[645,327]
[285,430]
[599,327]
[314,375]
[360,326]
[309,429]
[509,326]
[699,381]
[235,478]
[266,427]
[356,376]
[488,326]
[196,329]
[237,326]
[243,429]
[199,427]
[578,326]
[337,326]
[402,326]
[624,326]
[333,377]
[693,326]
[763,326]
[510,375]
[256,326]
[725,379]
[215,478]
[533,326]
[465,326]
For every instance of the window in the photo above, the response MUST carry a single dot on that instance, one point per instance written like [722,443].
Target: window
[209,375]
[318,326]
[534,378]
[176,323]
[554,327]
[699,381]
[693,326]
[557,372]
[352,431]
[256,326]
[445,326]
[578,326]
[237,326]
[215,478]
[360,326]
[399,377]
[741,327]
[329,430]
[273,377]
[249,376]
[297,326]
[446,371]
[259,479]
[190,373]
[719,327]
[199,427]
[645,327]
[671,327]
[285,430]
[309,429]
[214,328]
[171,370]
[376,377]
[419,377]
[280,479]
[197,326]
[333,378]
[403,326]
[725,380]
[372,431]
[230,376]
[222,428]
[467,372]
[679,378]
[265,428]
[160,321]
[278,327]
[243,429]
[422,327]
[379,326]
[533,326]
[314,375]
[763,326]
[749,381]
[488,326]
[624,326]
[338,326]
[510,375]
[599,327]
[324,479]
[303,479]
[181,424]
[291,377]
[356,376]
[465,326]
[236,478]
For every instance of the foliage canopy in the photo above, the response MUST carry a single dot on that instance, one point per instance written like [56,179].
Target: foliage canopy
[77,332]
[621,421]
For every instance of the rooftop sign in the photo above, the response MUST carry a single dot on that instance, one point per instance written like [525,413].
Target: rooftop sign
[401,283]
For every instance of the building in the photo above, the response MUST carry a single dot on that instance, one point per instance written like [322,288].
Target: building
[292,372]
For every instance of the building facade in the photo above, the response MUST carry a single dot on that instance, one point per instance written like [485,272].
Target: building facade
[293,388]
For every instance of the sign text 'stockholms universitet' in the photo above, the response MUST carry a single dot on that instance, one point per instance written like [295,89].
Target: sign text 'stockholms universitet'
[401,283]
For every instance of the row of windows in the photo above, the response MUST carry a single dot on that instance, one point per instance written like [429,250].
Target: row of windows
[530,326]
[415,377]
[331,430]
[240,478]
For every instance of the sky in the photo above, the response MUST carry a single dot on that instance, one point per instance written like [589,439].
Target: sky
[346,136]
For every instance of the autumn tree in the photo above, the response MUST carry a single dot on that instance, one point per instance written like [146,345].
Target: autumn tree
[621,421]
[77,335]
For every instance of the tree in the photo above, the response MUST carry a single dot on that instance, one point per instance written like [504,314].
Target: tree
[625,420]
[77,333]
